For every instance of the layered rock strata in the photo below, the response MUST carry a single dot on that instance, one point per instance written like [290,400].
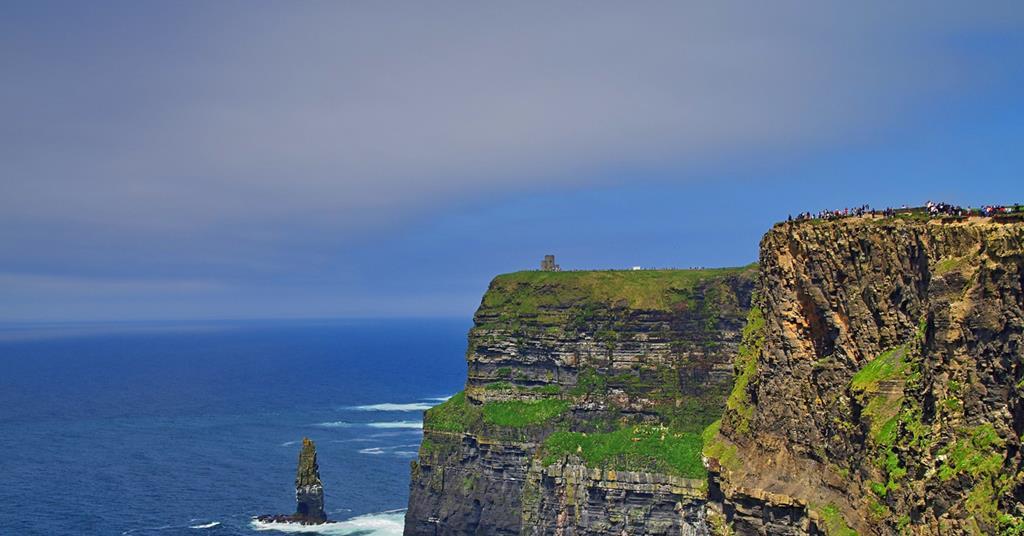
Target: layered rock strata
[884,392]
[556,358]
[874,388]
[309,491]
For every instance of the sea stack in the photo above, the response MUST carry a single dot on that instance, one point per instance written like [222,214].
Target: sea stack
[309,491]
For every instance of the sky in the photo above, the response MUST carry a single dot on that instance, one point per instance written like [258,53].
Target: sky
[221,160]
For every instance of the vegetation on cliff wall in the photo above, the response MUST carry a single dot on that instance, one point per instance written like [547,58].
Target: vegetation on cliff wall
[746,367]
[651,448]
[459,415]
[886,395]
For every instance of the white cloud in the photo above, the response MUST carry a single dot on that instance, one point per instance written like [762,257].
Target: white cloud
[342,114]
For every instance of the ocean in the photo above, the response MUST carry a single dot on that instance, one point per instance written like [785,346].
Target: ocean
[194,428]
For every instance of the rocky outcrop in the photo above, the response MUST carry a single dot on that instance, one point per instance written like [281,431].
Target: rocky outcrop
[884,395]
[870,382]
[309,491]
[560,357]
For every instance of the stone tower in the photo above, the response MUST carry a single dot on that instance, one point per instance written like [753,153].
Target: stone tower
[548,264]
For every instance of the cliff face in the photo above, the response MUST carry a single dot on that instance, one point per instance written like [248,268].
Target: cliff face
[869,382]
[882,392]
[585,399]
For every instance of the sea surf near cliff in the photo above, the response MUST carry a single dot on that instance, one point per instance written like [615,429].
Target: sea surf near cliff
[198,431]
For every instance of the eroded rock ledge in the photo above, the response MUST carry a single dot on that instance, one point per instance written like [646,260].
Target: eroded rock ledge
[872,384]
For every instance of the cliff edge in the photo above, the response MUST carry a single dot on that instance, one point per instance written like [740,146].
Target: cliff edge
[584,403]
[882,391]
[864,378]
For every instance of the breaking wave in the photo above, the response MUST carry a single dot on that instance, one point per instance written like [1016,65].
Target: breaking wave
[391,406]
[392,450]
[209,525]
[390,523]
[396,424]
[412,425]
[335,424]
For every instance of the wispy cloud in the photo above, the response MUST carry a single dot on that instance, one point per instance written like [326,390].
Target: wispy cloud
[211,138]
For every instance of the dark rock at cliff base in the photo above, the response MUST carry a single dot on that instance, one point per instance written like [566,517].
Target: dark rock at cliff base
[309,491]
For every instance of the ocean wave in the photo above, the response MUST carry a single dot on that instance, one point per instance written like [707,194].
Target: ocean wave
[335,424]
[439,398]
[393,450]
[209,525]
[390,523]
[382,424]
[288,443]
[391,406]
[396,424]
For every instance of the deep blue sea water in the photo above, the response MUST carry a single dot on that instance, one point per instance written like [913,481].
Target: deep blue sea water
[158,428]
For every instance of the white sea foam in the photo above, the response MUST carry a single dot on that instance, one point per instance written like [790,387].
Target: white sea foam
[391,406]
[393,449]
[388,523]
[396,424]
[335,424]
[405,453]
[288,443]
[411,425]
[439,398]
[209,525]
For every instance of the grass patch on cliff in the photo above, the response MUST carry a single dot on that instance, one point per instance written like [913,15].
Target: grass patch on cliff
[833,522]
[746,367]
[891,365]
[882,406]
[526,293]
[453,415]
[519,413]
[981,452]
[718,448]
[651,448]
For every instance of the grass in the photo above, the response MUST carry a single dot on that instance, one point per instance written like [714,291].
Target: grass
[833,520]
[888,366]
[981,452]
[526,293]
[453,415]
[950,264]
[651,448]
[882,409]
[746,367]
[717,448]
[459,415]
[517,414]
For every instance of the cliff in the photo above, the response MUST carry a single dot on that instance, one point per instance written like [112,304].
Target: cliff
[585,399]
[865,379]
[882,391]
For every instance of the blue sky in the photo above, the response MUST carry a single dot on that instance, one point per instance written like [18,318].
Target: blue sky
[191,160]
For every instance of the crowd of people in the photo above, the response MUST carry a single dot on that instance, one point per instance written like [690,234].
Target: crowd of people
[933,209]
[833,214]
